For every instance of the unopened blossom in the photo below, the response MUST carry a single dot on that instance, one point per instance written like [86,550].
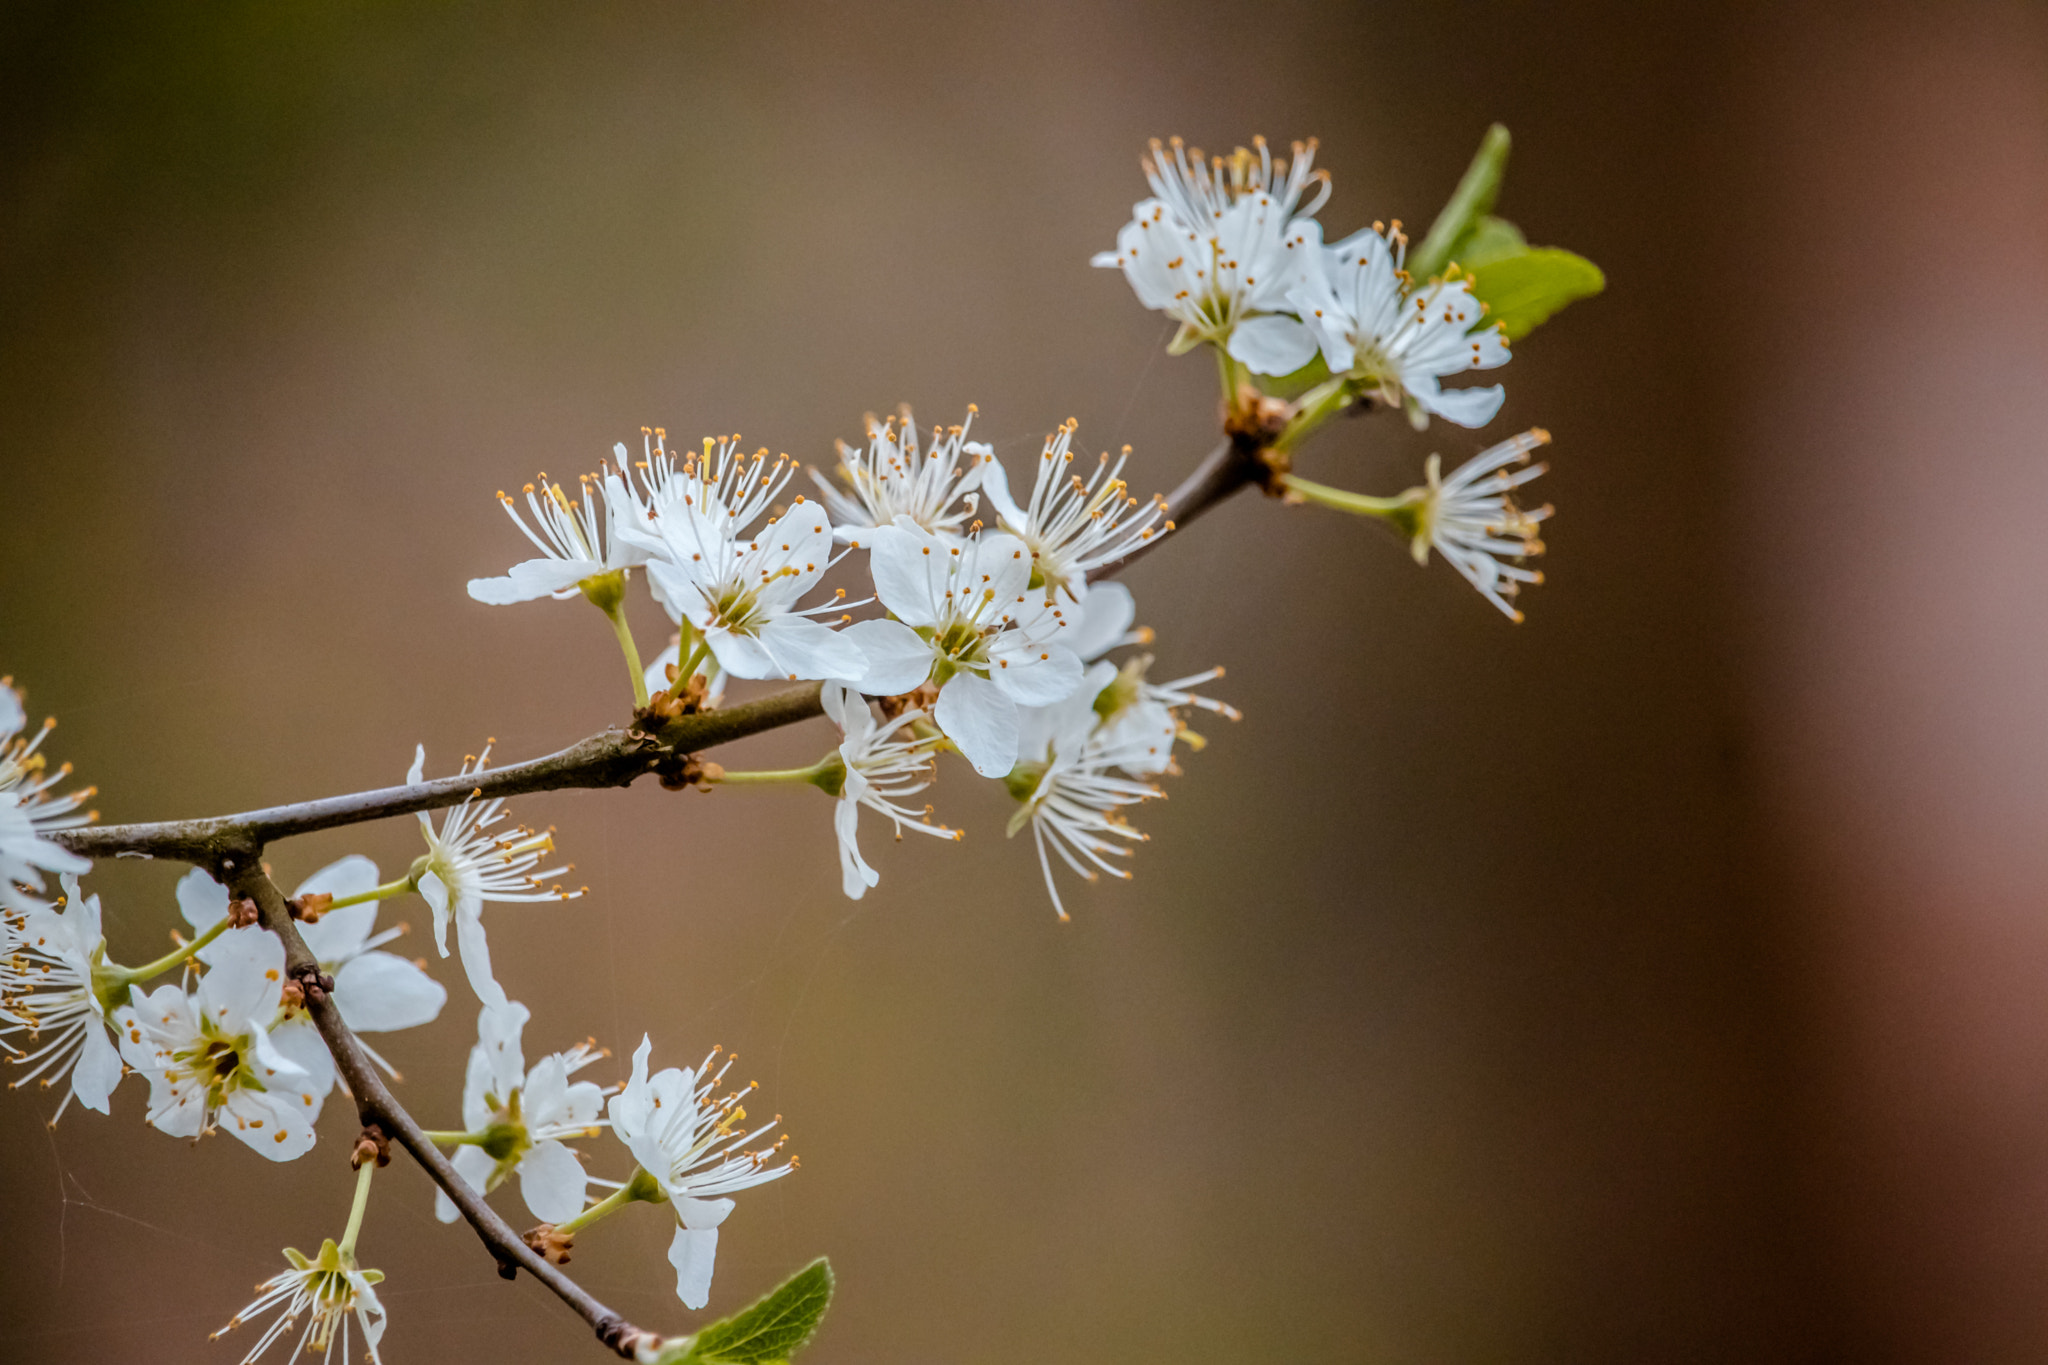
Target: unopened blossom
[1073,525]
[895,477]
[743,596]
[965,620]
[1472,519]
[576,534]
[30,811]
[1219,246]
[333,1295]
[466,865]
[1399,340]
[694,1146]
[376,991]
[52,991]
[207,1054]
[1072,794]
[516,1119]
[879,764]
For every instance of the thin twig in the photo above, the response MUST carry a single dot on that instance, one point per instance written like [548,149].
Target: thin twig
[243,871]
[610,758]
[1229,467]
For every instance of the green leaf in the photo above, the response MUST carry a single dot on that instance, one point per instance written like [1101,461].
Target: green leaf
[1470,202]
[1521,291]
[772,1330]
[1491,239]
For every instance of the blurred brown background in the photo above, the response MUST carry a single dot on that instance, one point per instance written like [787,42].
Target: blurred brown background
[1663,980]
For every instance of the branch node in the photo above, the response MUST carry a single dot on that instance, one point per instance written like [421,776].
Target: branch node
[623,1337]
[552,1246]
[373,1145]
[668,706]
[678,771]
[313,983]
[308,909]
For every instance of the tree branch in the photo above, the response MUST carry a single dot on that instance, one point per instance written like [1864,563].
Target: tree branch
[1233,464]
[242,870]
[231,848]
[610,758]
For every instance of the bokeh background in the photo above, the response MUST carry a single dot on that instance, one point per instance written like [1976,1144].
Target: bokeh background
[1665,979]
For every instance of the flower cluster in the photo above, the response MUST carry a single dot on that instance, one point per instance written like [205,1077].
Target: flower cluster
[1230,248]
[979,633]
[974,621]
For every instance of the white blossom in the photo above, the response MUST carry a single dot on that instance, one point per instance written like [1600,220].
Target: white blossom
[328,1290]
[1072,525]
[521,1117]
[1219,246]
[743,596]
[49,990]
[577,539]
[965,620]
[694,1147]
[893,477]
[1399,340]
[879,765]
[208,1057]
[376,991]
[1472,520]
[739,593]
[29,811]
[1138,720]
[466,865]
[1072,795]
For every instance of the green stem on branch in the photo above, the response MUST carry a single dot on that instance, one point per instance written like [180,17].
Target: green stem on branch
[355,1212]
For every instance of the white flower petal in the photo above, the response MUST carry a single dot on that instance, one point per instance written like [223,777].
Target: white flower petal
[379,992]
[1274,344]
[552,1182]
[692,1253]
[980,718]
[898,659]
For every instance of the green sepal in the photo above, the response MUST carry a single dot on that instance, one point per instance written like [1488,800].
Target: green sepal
[605,591]
[1468,204]
[297,1258]
[769,1333]
[1523,291]
[1184,340]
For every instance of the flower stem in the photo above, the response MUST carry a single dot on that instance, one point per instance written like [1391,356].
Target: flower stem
[1230,375]
[178,955]
[641,1187]
[1316,407]
[355,1212]
[375,893]
[452,1139]
[765,777]
[620,627]
[1396,509]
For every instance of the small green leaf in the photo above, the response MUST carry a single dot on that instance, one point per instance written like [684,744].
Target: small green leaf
[1470,202]
[1522,291]
[772,1330]
[1491,239]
